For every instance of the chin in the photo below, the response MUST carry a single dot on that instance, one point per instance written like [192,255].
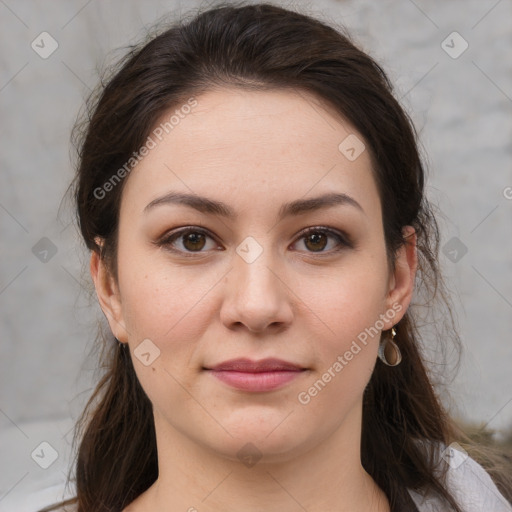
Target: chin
[268,439]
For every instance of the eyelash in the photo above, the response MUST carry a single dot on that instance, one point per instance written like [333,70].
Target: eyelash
[344,241]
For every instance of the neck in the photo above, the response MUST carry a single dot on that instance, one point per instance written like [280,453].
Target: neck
[328,476]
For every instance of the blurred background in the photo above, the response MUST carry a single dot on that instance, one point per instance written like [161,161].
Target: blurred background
[451,63]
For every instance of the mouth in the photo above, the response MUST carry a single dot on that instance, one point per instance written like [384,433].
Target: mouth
[256,376]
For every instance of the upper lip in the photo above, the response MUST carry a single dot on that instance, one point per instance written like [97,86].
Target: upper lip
[264,365]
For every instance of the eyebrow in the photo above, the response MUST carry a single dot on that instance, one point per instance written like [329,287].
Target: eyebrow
[213,207]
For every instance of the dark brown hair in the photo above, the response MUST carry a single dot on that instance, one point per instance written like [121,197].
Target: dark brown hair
[260,47]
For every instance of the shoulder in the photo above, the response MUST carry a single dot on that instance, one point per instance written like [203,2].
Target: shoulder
[468,482]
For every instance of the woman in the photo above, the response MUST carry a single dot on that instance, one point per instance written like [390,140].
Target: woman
[253,199]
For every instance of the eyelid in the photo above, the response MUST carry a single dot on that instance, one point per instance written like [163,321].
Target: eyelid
[342,236]
[345,241]
[166,239]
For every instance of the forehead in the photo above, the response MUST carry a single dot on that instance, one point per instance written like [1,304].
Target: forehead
[250,145]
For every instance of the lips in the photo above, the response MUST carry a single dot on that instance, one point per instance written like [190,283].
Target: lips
[256,376]
[265,365]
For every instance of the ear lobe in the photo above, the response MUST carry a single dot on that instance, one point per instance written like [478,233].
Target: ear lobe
[403,278]
[108,296]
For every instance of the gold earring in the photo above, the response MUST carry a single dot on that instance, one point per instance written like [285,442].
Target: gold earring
[120,344]
[389,353]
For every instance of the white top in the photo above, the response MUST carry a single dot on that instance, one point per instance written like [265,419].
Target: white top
[470,484]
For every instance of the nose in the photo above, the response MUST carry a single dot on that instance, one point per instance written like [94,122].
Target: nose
[257,296]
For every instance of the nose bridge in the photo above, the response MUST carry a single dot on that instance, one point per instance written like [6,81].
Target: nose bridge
[256,296]
[253,264]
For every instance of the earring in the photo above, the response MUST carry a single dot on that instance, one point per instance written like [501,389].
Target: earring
[389,353]
[120,344]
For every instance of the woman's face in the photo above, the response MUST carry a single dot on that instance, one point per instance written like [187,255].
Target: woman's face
[254,170]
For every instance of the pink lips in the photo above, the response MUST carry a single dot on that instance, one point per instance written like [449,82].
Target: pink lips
[264,375]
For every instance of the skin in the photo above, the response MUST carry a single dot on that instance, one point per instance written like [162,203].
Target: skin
[299,301]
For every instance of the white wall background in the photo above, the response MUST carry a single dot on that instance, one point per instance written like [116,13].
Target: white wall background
[462,107]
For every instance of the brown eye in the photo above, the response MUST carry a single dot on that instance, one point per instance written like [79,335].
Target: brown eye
[316,240]
[188,240]
[193,241]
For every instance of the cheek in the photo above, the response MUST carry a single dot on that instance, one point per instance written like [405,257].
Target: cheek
[346,301]
[346,356]
[161,300]
[349,306]
[167,310]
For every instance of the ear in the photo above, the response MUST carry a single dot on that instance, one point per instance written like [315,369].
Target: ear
[401,282]
[108,296]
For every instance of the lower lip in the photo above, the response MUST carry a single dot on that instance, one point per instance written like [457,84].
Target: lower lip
[263,381]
